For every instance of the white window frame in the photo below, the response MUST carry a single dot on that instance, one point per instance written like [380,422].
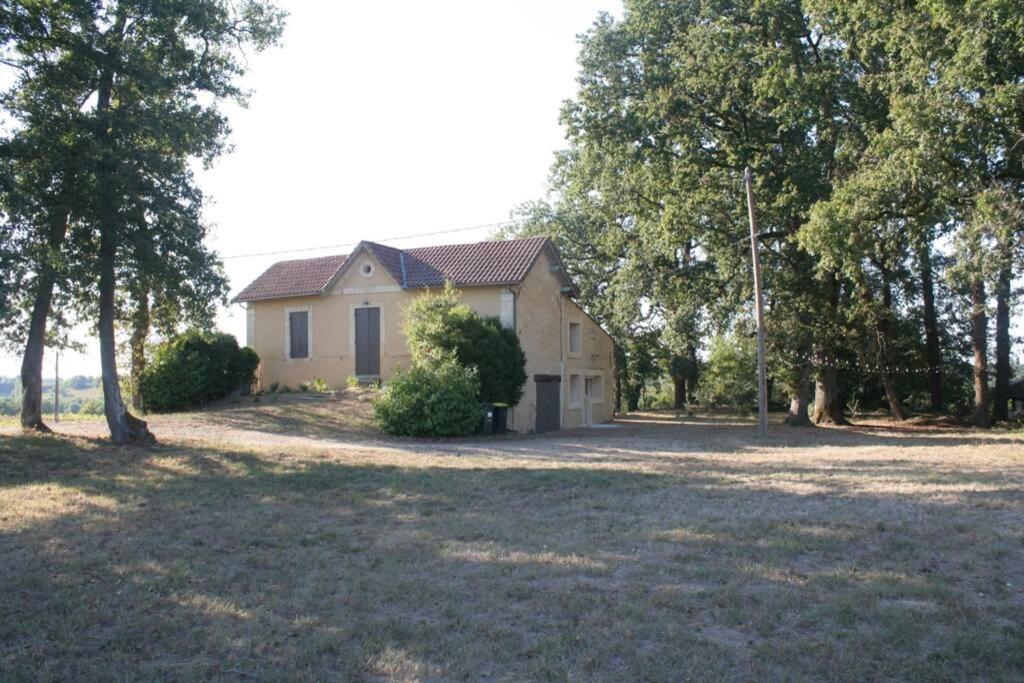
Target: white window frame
[367,273]
[578,352]
[288,331]
[575,402]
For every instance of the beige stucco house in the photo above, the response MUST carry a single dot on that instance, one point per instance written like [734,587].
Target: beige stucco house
[338,316]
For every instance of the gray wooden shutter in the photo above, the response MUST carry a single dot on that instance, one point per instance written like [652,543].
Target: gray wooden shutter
[299,333]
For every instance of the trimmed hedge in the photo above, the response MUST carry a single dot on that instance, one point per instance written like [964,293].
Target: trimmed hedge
[196,368]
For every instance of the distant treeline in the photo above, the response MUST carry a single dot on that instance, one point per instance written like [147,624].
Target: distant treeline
[78,394]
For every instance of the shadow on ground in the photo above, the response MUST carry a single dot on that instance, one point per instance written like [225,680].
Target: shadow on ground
[192,562]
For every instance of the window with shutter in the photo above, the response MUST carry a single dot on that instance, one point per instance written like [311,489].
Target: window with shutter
[298,325]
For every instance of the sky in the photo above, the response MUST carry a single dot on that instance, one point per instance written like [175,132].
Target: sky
[376,120]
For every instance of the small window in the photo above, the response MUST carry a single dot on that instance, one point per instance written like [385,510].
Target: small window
[575,391]
[366,269]
[298,334]
[575,338]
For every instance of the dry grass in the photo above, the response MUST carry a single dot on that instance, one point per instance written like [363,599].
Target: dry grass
[660,550]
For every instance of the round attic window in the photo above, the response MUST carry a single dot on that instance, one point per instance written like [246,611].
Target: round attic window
[366,269]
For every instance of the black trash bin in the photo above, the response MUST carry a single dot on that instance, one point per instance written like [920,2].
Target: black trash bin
[495,418]
[499,418]
[487,424]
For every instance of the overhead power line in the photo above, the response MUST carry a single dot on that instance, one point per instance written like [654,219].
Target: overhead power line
[349,245]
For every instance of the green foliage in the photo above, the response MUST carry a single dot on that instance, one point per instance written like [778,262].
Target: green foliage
[352,381]
[730,378]
[441,324]
[320,385]
[195,368]
[437,397]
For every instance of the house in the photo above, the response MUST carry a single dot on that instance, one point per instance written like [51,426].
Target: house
[340,316]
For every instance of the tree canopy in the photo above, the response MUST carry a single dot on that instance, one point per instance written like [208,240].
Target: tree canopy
[883,137]
[113,102]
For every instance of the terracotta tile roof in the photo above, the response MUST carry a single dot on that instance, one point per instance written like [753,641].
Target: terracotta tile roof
[480,263]
[300,277]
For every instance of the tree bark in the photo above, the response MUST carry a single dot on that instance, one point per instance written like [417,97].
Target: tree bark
[679,392]
[35,344]
[979,340]
[1001,394]
[693,375]
[32,360]
[798,416]
[931,329]
[883,335]
[827,407]
[124,427]
[140,332]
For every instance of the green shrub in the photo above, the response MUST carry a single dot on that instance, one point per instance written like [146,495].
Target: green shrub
[730,378]
[352,381]
[320,385]
[440,323]
[93,407]
[195,368]
[435,397]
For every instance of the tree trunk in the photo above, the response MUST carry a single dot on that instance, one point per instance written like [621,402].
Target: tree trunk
[693,375]
[679,392]
[124,427]
[883,334]
[931,329]
[32,361]
[827,407]
[140,332]
[798,416]
[979,340]
[1001,395]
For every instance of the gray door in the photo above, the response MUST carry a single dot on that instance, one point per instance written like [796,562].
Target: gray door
[549,409]
[368,342]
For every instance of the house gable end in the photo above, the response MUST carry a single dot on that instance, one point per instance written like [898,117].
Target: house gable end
[352,278]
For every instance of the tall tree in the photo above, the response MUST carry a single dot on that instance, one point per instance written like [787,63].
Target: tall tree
[150,79]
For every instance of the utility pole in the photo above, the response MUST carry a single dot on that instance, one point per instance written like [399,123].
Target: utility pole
[56,386]
[762,377]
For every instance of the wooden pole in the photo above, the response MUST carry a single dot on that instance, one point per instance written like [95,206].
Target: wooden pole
[762,376]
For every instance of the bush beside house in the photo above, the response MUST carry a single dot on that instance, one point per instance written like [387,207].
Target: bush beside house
[196,368]
[435,397]
[460,361]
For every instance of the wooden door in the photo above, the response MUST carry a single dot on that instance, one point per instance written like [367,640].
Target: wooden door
[549,405]
[368,342]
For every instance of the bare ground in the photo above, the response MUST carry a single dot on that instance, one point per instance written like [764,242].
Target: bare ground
[289,540]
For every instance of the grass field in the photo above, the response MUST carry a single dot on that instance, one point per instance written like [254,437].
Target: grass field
[246,547]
